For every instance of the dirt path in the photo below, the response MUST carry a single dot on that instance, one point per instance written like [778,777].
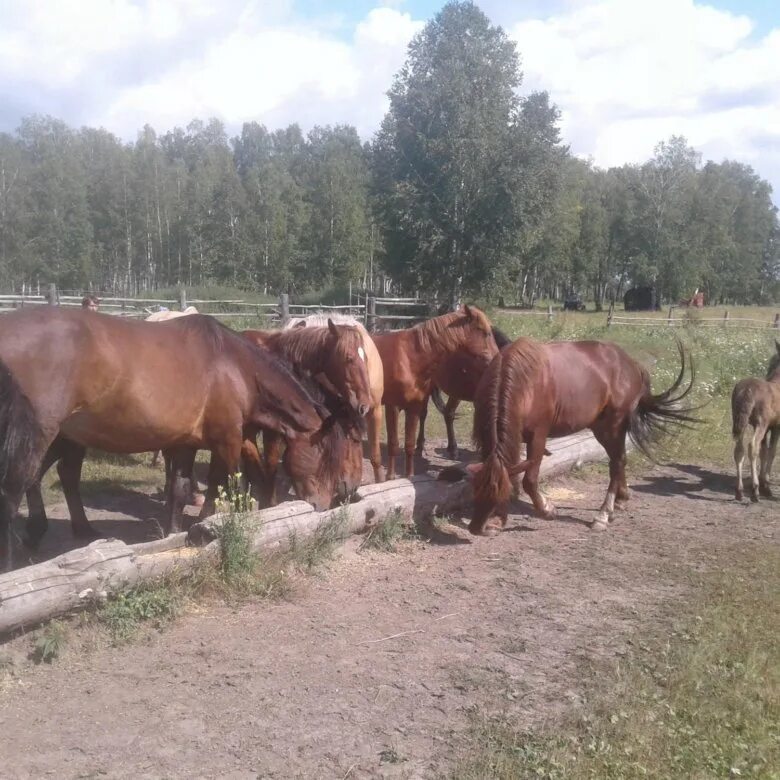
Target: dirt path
[372,669]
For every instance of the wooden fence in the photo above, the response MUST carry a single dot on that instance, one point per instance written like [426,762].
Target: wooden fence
[377,313]
[724,321]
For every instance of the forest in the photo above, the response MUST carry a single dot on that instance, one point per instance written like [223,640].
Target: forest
[466,190]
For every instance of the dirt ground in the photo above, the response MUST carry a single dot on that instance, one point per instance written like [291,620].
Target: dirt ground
[371,668]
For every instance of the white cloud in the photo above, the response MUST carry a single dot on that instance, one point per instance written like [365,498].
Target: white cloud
[625,74]
[628,75]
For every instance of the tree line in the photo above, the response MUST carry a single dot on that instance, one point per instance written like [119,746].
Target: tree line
[465,190]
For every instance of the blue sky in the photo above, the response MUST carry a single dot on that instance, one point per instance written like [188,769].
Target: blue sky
[626,74]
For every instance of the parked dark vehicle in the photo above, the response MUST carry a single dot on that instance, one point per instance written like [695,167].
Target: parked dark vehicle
[574,303]
[642,299]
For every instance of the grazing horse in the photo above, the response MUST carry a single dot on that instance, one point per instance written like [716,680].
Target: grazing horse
[376,380]
[458,376]
[333,356]
[531,391]
[755,414]
[412,359]
[125,386]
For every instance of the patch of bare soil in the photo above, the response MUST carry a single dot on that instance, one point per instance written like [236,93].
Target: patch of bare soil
[372,669]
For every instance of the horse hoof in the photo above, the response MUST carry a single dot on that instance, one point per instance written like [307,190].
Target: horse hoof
[599,525]
[765,491]
[738,495]
[452,453]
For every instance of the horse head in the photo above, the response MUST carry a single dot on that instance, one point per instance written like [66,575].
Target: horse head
[344,366]
[475,334]
[326,467]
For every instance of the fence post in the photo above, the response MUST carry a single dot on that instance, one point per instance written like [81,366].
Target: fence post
[609,313]
[725,318]
[370,314]
[182,299]
[284,309]
[669,316]
[51,296]
[777,321]
[549,312]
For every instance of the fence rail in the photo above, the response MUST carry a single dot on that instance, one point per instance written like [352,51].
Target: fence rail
[725,321]
[275,313]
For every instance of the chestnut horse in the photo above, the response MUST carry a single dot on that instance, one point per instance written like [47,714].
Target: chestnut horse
[755,414]
[376,380]
[334,357]
[412,359]
[458,376]
[531,391]
[125,386]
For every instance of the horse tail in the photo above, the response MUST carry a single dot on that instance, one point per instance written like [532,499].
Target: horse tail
[660,414]
[20,436]
[741,409]
[438,401]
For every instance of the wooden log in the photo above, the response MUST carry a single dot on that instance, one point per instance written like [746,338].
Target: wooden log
[74,580]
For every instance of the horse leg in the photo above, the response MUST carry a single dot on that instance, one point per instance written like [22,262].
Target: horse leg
[69,469]
[410,433]
[449,420]
[37,522]
[768,450]
[754,453]
[391,421]
[739,460]
[614,442]
[374,425]
[418,450]
[225,461]
[253,469]
[182,462]
[535,452]
[272,449]
[155,459]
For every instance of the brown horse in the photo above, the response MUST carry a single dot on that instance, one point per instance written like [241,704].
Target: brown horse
[333,356]
[411,359]
[458,376]
[376,380]
[125,386]
[755,410]
[531,391]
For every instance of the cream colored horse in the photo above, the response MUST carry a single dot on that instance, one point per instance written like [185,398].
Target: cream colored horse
[163,316]
[376,379]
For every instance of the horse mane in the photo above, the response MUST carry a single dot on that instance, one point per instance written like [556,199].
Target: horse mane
[304,346]
[447,329]
[509,377]
[320,320]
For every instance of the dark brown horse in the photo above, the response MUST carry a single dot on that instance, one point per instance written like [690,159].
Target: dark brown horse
[411,360]
[532,391]
[755,414]
[124,386]
[458,376]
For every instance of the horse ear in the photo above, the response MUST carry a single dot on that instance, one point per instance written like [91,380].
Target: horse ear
[467,311]
[332,328]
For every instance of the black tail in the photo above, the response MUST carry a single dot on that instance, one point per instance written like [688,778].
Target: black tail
[20,437]
[438,401]
[660,414]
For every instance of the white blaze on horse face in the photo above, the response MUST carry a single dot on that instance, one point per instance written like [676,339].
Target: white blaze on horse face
[362,354]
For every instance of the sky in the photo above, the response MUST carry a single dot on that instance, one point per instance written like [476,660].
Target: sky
[625,74]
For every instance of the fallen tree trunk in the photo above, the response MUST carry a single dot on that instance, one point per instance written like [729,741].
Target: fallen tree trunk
[71,581]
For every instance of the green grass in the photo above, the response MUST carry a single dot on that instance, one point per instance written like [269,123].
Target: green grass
[702,702]
[155,603]
[387,533]
[51,642]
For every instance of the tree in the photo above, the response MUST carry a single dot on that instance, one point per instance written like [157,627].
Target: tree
[442,159]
